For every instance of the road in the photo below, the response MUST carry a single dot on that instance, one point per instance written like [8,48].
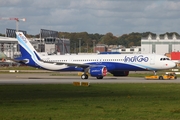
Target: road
[47,78]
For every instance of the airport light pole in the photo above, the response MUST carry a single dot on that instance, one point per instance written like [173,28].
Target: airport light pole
[94,45]
[63,44]
[79,45]
[87,47]
[75,48]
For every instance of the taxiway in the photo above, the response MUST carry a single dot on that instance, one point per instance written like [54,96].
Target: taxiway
[42,78]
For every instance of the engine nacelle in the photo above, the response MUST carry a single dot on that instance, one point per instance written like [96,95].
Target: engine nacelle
[120,73]
[98,71]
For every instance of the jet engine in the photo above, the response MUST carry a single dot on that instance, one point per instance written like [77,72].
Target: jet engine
[98,71]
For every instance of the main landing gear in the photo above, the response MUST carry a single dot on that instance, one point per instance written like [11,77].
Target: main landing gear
[99,77]
[155,72]
[85,76]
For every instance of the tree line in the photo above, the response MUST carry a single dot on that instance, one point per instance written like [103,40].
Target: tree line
[127,40]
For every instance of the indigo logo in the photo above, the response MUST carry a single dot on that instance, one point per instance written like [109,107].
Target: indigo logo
[139,58]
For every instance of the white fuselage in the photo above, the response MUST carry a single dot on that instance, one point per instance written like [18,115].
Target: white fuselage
[130,62]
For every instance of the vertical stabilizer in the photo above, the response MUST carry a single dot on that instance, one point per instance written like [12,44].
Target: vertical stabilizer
[26,49]
[28,53]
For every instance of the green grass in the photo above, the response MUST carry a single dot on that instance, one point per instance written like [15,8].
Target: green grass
[97,102]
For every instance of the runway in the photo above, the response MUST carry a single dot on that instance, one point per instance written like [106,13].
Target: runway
[42,78]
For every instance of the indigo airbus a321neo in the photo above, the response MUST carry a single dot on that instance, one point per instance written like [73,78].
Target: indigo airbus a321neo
[94,65]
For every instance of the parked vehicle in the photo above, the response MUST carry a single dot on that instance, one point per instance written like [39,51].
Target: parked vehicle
[169,76]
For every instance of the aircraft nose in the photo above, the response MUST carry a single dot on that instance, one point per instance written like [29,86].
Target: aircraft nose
[170,64]
[173,64]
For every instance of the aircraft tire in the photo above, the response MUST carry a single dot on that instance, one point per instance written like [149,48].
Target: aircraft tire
[84,76]
[160,77]
[100,77]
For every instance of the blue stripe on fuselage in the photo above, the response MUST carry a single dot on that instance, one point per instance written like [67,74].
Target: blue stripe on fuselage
[26,55]
[24,51]
[111,66]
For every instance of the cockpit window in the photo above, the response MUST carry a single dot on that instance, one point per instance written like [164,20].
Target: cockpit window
[164,59]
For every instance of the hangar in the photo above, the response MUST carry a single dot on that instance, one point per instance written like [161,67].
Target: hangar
[160,44]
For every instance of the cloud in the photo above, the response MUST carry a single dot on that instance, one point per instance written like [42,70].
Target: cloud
[8,3]
[93,16]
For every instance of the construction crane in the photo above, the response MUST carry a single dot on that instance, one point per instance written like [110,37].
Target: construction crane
[16,19]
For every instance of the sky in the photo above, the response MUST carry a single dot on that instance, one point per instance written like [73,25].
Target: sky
[93,16]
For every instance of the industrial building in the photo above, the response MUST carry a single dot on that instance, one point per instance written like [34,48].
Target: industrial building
[56,45]
[160,44]
[132,50]
[50,45]
[9,46]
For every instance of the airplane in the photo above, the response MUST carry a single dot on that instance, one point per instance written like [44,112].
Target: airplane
[94,65]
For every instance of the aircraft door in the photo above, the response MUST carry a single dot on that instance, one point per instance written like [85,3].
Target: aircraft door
[99,61]
[70,59]
[152,60]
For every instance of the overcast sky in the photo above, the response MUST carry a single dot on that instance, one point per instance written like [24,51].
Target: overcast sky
[92,16]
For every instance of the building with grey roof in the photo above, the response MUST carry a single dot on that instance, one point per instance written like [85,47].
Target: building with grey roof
[160,44]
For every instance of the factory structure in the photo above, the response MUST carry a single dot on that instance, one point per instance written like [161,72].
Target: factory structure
[48,43]
[160,44]
[168,45]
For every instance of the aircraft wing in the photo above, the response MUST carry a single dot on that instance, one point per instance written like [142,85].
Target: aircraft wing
[68,64]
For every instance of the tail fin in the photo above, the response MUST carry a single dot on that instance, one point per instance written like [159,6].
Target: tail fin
[26,49]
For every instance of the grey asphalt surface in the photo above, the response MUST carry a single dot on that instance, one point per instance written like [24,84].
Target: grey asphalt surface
[47,78]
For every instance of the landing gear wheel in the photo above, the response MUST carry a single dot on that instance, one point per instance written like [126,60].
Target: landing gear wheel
[100,77]
[160,77]
[84,76]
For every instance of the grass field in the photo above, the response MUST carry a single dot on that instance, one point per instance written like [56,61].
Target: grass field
[97,102]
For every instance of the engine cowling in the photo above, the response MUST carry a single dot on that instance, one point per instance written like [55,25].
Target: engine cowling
[120,73]
[98,71]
